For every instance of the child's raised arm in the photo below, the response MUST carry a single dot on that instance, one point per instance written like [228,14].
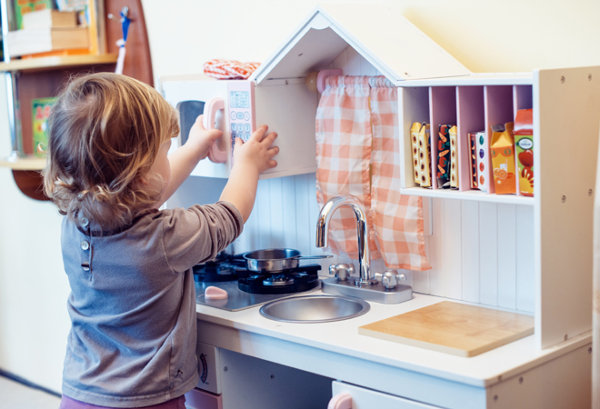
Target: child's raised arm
[249,160]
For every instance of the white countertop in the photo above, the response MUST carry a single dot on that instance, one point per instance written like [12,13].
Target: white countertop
[248,332]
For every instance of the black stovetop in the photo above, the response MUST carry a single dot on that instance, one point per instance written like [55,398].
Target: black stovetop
[248,288]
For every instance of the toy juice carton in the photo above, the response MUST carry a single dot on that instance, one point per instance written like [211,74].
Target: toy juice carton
[502,150]
[40,112]
[524,148]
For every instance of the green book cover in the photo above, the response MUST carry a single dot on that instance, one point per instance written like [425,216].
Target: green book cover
[25,6]
[41,110]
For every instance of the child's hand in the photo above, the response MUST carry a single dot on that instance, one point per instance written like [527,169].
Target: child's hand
[201,139]
[258,151]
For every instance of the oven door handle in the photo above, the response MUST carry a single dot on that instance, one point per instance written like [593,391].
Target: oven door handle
[219,151]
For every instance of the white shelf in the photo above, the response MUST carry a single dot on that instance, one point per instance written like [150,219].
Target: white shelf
[513,78]
[45,63]
[468,195]
[27,163]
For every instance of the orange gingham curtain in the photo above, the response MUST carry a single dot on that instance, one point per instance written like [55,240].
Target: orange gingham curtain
[357,154]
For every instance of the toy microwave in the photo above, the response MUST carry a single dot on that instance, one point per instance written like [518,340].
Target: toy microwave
[237,107]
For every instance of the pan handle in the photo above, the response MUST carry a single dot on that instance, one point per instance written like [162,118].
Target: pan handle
[313,257]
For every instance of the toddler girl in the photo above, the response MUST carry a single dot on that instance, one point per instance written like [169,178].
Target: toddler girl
[132,303]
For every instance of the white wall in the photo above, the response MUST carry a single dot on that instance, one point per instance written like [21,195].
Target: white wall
[185,33]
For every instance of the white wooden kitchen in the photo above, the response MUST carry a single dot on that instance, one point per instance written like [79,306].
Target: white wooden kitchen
[512,253]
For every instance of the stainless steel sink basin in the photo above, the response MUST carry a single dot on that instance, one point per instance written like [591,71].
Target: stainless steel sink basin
[314,308]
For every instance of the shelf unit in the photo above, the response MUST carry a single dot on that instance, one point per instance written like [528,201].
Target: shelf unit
[473,104]
[38,77]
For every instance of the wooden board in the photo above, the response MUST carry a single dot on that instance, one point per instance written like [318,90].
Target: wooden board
[454,328]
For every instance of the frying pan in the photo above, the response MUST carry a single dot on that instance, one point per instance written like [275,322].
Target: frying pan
[275,260]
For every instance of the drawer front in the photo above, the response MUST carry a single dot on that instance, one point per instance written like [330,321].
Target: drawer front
[199,399]
[367,399]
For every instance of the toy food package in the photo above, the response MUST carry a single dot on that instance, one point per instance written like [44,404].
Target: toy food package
[524,148]
[472,140]
[425,155]
[443,158]
[414,141]
[483,161]
[502,150]
[453,158]
[421,150]
[40,112]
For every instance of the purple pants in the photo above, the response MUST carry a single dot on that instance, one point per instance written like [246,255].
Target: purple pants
[68,403]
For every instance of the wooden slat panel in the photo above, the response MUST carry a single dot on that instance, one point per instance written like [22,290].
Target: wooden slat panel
[470,251]
[507,241]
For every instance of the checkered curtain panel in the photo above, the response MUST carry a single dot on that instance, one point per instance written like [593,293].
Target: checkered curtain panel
[397,220]
[357,154]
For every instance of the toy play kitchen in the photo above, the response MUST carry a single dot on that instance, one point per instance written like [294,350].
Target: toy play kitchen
[523,260]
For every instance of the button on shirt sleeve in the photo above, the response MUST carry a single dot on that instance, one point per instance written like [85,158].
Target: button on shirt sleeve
[198,234]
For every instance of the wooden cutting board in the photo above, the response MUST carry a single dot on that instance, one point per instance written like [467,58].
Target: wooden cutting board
[454,328]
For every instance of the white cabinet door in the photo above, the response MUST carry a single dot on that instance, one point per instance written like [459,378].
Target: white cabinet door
[368,399]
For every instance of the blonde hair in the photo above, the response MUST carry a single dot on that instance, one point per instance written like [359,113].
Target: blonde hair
[105,131]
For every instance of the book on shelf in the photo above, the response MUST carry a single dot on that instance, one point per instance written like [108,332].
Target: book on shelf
[91,14]
[53,32]
[40,112]
[40,40]
[49,18]
[22,7]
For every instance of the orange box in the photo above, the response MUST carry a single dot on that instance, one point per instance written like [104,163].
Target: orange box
[502,151]
[524,147]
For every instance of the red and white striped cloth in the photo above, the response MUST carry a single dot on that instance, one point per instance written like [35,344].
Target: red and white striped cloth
[229,69]
[358,154]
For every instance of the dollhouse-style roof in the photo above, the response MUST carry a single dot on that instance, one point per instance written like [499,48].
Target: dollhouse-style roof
[383,37]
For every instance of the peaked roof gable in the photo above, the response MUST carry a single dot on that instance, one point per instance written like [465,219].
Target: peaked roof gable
[382,36]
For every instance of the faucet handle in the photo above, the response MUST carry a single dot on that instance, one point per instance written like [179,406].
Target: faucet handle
[390,278]
[341,271]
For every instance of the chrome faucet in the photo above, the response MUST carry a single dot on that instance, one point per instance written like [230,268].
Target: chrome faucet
[361,231]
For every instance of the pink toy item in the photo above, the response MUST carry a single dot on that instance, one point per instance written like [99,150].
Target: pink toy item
[340,401]
[218,151]
[215,293]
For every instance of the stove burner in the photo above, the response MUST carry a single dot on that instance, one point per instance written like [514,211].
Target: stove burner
[277,280]
[290,281]
[225,267]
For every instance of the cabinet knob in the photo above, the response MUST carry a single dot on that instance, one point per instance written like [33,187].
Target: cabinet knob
[342,400]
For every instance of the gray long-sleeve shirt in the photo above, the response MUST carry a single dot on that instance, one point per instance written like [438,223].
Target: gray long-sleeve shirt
[132,304]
